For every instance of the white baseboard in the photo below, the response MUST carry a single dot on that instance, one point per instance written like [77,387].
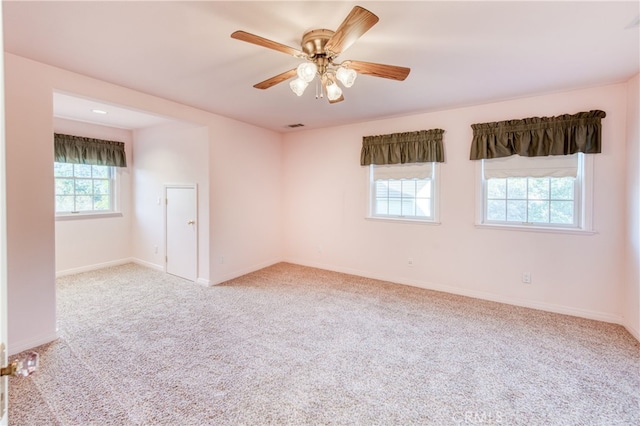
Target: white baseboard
[632,330]
[244,271]
[204,282]
[23,345]
[94,267]
[147,264]
[72,271]
[548,307]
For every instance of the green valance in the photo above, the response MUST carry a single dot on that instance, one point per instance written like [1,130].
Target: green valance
[81,150]
[538,136]
[423,146]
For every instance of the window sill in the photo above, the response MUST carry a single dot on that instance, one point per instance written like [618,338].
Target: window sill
[402,220]
[531,228]
[81,216]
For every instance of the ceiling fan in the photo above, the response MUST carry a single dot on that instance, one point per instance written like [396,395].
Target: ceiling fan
[320,48]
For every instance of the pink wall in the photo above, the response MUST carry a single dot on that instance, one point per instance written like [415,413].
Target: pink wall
[247,229]
[110,241]
[631,294]
[30,206]
[326,202]
[246,188]
[170,154]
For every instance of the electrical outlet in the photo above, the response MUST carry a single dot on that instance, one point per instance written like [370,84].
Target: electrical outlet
[410,261]
[155,249]
[526,277]
[221,260]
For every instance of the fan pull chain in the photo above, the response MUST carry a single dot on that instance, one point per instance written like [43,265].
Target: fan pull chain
[319,94]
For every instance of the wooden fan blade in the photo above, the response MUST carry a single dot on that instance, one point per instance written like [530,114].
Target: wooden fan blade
[358,22]
[379,70]
[270,44]
[275,80]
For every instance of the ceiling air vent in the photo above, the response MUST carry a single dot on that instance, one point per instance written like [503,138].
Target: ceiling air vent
[293,126]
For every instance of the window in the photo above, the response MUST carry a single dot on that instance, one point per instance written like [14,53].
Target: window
[82,188]
[540,191]
[545,200]
[403,191]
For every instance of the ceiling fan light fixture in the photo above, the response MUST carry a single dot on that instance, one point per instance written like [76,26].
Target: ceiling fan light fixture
[333,91]
[346,76]
[320,47]
[298,85]
[307,71]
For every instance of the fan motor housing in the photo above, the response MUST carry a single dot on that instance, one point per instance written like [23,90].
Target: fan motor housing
[313,42]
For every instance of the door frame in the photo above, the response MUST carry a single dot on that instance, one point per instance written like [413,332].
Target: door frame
[4,386]
[193,186]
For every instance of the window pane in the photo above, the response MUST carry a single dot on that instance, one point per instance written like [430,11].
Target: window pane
[395,206]
[409,207]
[395,188]
[538,188]
[517,188]
[562,188]
[62,169]
[397,193]
[101,187]
[423,188]
[382,206]
[64,186]
[496,210]
[408,188]
[562,212]
[517,210]
[82,190]
[538,212]
[101,202]
[542,200]
[84,186]
[382,189]
[82,170]
[100,171]
[84,203]
[64,203]
[497,188]
[423,207]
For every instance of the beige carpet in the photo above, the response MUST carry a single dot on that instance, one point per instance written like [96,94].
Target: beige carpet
[296,345]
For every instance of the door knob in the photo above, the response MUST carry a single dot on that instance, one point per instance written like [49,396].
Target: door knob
[23,366]
[191,222]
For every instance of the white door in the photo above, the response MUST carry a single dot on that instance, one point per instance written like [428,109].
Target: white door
[181,231]
[4,395]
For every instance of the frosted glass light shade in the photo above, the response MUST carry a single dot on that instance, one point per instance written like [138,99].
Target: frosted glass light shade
[346,76]
[307,71]
[333,91]
[298,86]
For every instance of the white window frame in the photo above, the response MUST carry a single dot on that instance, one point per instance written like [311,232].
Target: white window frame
[115,202]
[583,207]
[435,200]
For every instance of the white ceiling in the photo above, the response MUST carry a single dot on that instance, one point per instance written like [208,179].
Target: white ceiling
[76,108]
[460,53]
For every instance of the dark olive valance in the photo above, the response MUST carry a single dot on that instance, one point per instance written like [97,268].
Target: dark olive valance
[423,146]
[81,150]
[538,136]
